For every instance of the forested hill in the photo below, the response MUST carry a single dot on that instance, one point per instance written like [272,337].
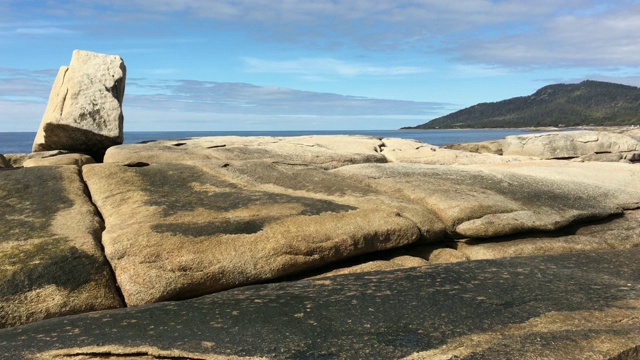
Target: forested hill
[587,103]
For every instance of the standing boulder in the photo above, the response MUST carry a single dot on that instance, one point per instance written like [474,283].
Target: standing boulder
[84,113]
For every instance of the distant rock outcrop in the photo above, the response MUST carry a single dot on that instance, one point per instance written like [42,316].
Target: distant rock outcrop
[580,145]
[84,113]
[571,144]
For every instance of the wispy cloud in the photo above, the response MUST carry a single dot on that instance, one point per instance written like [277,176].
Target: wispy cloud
[43,31]
[240,98]
[26,84]
[33,27]
[326,66]
[236,105]
[507,32]
[479,70]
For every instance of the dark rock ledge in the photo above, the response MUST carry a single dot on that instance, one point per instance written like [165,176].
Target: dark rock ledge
[568,306]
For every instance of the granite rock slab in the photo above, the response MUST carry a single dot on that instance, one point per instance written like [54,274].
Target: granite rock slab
[175,231]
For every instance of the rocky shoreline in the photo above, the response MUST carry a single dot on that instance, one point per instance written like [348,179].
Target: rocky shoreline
[323,247]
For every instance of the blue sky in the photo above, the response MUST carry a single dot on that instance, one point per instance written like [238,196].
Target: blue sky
[316,64]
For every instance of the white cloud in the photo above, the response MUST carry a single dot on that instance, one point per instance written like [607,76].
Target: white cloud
[608,39]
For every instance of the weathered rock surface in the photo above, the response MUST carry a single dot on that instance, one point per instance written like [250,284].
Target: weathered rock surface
[570,306]
[570,144]
[51,263]
[181,230]
[84,113]
[323,151]
[15,160]
[614,233]
[478,203]
[78,160]
[620,233]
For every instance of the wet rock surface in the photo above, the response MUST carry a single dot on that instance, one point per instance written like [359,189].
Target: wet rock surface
[573,306]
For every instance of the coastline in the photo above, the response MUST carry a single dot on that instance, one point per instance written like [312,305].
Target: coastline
[21,142]
[543,128]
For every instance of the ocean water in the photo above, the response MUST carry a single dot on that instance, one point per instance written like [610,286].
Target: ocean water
[21,142]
